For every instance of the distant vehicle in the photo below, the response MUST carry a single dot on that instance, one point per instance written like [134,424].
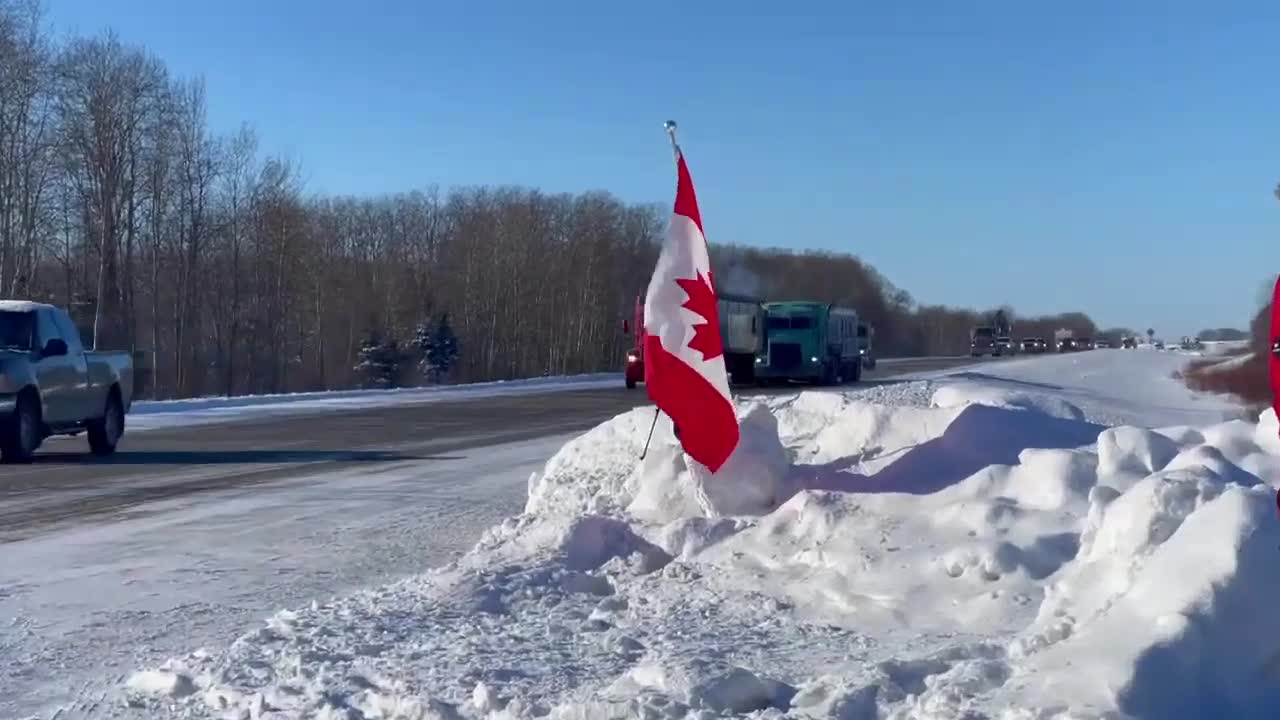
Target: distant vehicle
[1085,343]
[1103,344]
[1129,342]
[812,341]
[982,341]
[741,333]
[1033,345]
[1004,344]
[742,320]
[50,385]
[1159,345]
[867,334]
[1068,344]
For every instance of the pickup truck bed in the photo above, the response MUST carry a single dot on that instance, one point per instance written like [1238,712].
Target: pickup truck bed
[50,385]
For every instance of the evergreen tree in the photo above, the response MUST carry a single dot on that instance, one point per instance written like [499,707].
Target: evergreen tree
[379,362]
[423,340]
[442,353]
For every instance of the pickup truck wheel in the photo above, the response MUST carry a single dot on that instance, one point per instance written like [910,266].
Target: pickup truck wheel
[21,433]
[105,432]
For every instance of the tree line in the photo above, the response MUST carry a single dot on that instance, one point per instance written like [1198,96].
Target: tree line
[207,258]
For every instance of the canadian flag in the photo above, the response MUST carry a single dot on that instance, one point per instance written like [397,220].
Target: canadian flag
[684,368]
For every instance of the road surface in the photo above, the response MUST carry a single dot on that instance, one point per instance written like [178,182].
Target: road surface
[66,485]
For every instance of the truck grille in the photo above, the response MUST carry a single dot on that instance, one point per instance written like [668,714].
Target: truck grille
[784,356]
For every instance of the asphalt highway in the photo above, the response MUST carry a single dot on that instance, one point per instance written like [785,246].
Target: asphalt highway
[66,485]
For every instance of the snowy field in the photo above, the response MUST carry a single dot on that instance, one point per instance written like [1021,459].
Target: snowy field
[1064,537]
[80,609]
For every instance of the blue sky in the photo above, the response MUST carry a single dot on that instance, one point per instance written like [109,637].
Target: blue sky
[1115,158]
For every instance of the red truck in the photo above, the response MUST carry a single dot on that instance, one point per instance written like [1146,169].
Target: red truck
[741,333]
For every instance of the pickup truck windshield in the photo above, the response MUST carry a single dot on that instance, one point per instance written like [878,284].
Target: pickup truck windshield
[16,330]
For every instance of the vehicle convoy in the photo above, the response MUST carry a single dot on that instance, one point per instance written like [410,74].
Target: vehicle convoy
[866,334]
[812,341]
[741,333]
[982,341]
[50,385]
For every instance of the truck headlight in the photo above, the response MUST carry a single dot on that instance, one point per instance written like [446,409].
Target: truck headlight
[760,360]
[632,357]
[862,351]
[813,359]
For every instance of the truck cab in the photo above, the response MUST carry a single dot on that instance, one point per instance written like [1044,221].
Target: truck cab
[811,341]
[982,341]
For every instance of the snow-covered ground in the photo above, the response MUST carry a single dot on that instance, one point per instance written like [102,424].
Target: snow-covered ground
[150,414]
[1062,537]
[1111,387]
[80,609]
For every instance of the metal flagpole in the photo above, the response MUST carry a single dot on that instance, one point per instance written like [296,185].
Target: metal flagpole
[670,127]
[645,451]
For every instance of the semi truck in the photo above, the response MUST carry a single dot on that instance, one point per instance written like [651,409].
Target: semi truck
[742,331]
[811,341]
[982,341]
[51,385]
[1064,340]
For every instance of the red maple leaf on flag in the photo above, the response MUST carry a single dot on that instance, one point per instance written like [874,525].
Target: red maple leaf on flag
[702,301]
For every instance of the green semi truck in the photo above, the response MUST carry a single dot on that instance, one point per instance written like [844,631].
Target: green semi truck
[812,341]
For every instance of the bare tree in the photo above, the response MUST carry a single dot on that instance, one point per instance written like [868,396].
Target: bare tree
[26,131]
[104,93]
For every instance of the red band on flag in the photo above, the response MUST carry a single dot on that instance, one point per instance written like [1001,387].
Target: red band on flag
[686,198]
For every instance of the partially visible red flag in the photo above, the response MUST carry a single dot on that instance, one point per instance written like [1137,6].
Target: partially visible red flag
[684,360]
[1274,360]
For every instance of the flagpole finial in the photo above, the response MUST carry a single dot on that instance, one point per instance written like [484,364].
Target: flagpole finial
[670,127]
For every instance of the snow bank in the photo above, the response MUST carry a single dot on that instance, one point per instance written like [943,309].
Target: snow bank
[989,549]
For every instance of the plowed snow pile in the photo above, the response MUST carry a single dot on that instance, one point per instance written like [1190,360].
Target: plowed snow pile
[991,554]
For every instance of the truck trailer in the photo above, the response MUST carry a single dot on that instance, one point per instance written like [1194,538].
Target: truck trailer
[742,323]
[812,341]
